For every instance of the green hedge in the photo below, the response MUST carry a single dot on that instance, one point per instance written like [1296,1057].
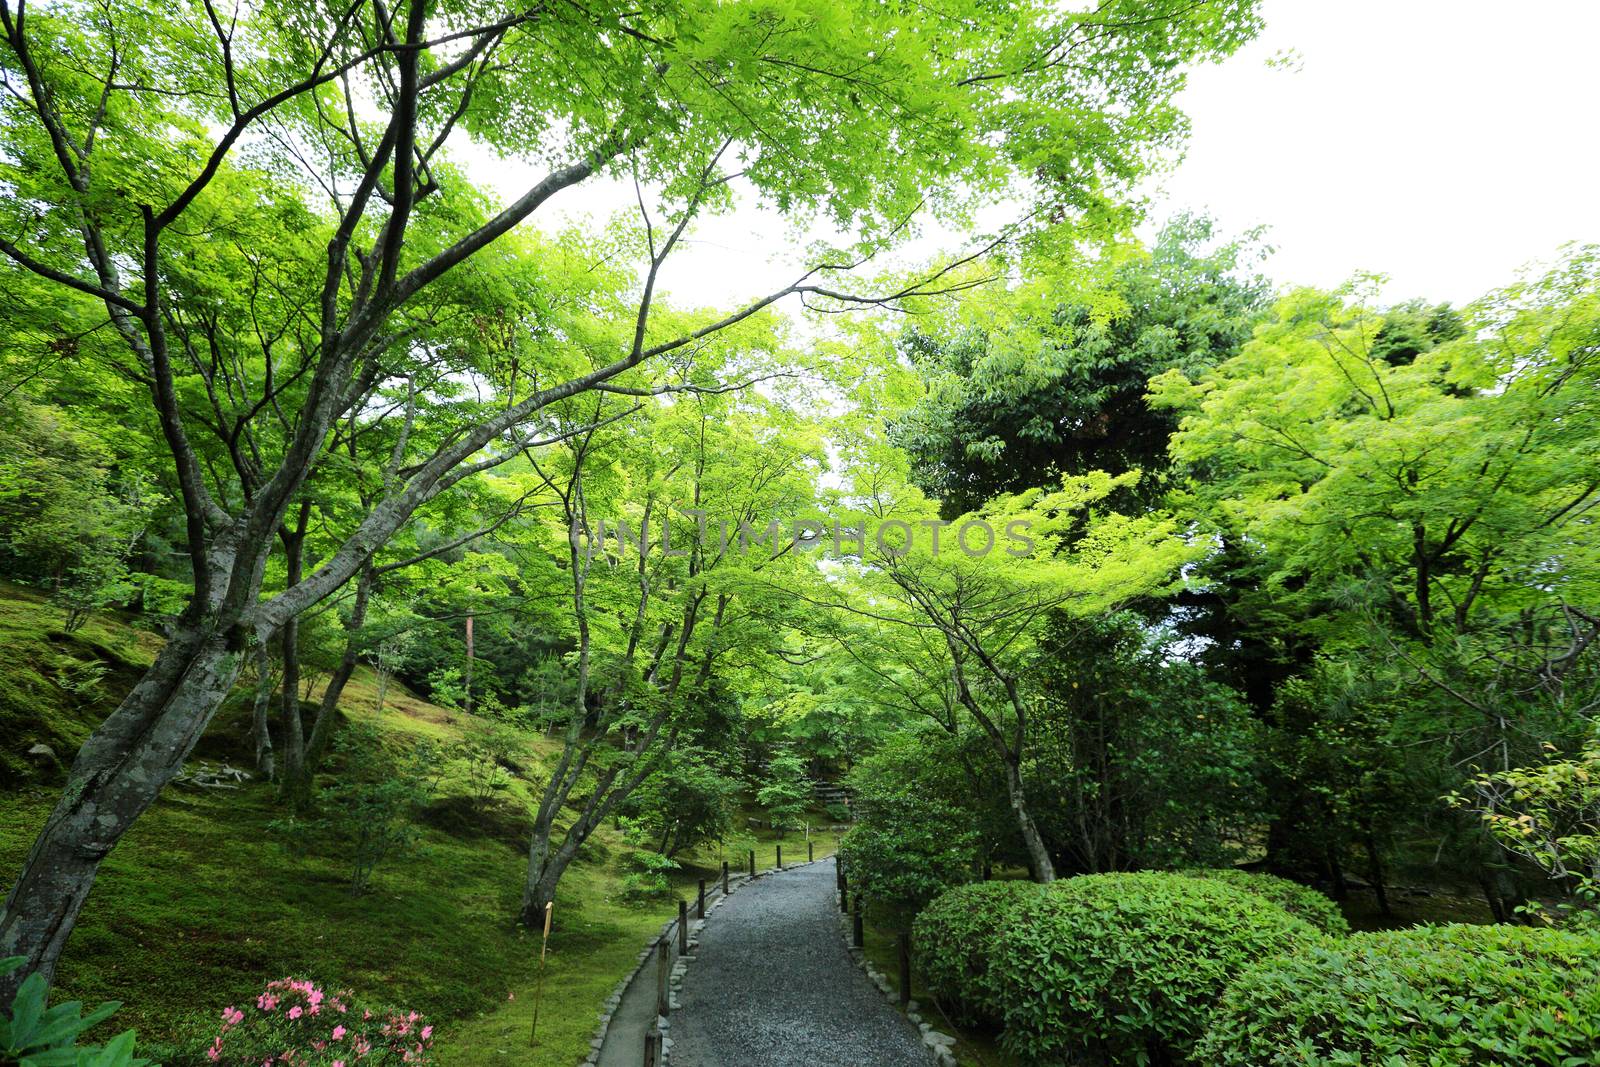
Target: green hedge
[955,940]
[1126,968]
[1302,902]
[1443,996]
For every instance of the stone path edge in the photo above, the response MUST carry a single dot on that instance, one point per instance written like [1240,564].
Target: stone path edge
[940,1045]
[675,981]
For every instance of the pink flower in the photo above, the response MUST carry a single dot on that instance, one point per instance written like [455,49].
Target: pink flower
[214,1053]
[295,1012]
[427,1032]
[338,1033]
[338,1063]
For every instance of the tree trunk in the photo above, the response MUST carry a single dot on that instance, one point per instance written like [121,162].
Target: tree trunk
[316,745]
[545,868]
[292,731]
[1375,872]
[1341,888]
[258,717]
[1496,906]
[1038,856]
[117,774]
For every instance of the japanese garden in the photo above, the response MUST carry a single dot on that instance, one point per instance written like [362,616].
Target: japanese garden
[739,532]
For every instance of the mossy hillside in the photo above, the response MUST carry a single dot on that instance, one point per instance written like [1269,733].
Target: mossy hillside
[206,898]
[56,686]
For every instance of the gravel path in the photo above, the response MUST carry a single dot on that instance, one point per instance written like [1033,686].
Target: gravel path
[772,985]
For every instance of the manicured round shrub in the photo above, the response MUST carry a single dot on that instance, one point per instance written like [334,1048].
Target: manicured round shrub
[1298,900]
[954,939]
[1445,996]
[1125,968]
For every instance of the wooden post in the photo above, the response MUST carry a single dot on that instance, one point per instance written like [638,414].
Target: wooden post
[538,989]
[724,877]
[811,851]
[663,965]
[683,927]
[652,1047]
[780,857]
[700,905]
[752,863]
[857,933]
[469,664]
[844,893]
[905,969]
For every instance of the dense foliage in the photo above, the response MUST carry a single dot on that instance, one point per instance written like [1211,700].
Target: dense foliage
[1126,968]
[914,833]
[1450,995]
[1141,760]
[1047,553]
[957,937]
[1300,901]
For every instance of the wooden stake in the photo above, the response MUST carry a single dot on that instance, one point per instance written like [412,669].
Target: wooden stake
[469,664]
[905,969]
[538,989]
[663,965]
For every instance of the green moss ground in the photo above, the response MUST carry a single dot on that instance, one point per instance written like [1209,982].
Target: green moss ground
[202,902]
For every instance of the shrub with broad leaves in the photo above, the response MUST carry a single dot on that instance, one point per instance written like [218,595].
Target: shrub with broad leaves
[1298,900]
[295,1023]
[1446,996]
[1126,968]
[955,941]
[36,1034]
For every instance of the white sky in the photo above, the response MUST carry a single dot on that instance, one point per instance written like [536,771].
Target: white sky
[1444,143]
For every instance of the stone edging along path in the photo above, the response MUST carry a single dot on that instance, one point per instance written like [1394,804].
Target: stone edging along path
[636,984]
[773,985]
[941,1045]
[727,1016]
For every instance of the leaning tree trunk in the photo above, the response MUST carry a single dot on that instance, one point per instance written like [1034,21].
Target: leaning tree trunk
[545,868]
[1044,870]
[117,774]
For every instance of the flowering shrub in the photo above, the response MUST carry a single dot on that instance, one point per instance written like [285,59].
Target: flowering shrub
[294,1023]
